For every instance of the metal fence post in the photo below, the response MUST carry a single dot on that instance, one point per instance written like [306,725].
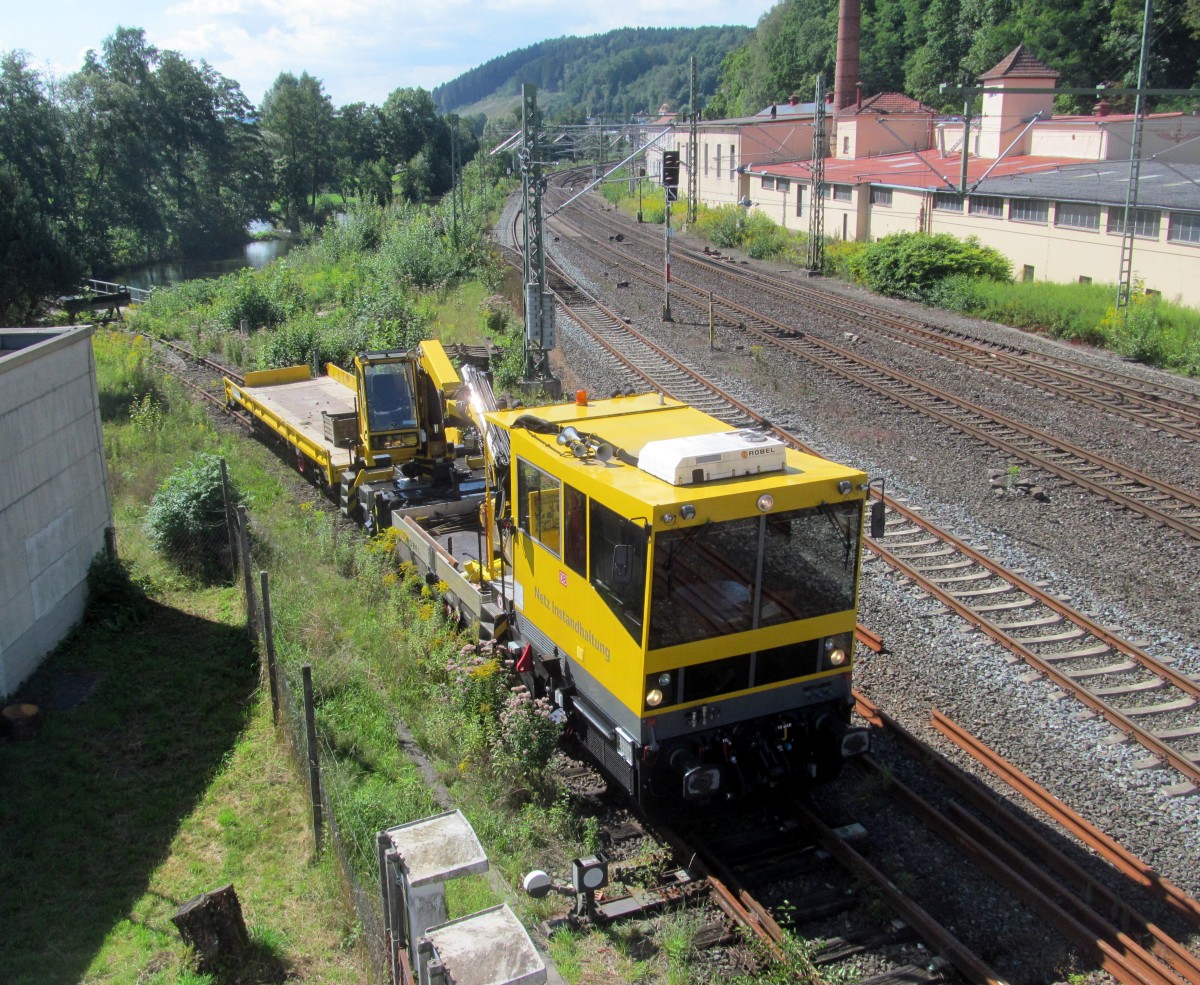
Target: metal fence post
[314,761]
[268,635]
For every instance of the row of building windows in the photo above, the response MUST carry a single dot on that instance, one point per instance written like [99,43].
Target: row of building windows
[732,160]
[1183,227]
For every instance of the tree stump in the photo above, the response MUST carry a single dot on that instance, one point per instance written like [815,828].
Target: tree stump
[21,721]
[212,924]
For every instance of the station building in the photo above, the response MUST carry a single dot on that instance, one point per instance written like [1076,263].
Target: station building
[1047,191]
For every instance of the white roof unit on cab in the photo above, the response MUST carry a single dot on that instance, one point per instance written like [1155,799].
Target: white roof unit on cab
[705,457]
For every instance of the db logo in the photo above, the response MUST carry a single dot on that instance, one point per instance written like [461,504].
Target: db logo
[562,578]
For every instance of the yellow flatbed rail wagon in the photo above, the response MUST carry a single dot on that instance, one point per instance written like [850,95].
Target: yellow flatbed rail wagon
[378,434]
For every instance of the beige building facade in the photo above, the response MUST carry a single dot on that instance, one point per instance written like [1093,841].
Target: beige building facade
[1034,190]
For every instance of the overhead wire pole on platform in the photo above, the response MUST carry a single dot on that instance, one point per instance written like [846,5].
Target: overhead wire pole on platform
[539,305]
[693,172]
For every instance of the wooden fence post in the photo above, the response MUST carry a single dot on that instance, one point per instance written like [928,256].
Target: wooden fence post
[229,523]
[314,760]
[268,635]
[244,536]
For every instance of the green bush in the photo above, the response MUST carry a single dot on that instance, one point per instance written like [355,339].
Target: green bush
[263,298]
[186,519]
[839,255]
[722,226]
[765,239]
[910,265]
[528,735]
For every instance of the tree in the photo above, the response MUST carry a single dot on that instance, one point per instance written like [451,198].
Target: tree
[32,135]
[297,118]
[357,139]
[35,258]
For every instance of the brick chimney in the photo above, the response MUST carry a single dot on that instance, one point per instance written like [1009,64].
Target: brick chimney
[846,72]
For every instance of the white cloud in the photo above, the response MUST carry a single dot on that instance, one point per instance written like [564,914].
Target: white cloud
[360,49]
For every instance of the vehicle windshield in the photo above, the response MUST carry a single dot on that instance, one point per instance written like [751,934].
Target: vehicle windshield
[729,577]
[390,404]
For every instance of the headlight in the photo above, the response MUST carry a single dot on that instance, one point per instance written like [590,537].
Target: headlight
[664,679]
[654,697]
[837,657]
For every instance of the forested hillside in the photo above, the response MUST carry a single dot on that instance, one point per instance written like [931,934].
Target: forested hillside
[912,46]
[623,72]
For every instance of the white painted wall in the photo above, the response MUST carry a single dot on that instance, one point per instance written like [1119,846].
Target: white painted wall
[54,499]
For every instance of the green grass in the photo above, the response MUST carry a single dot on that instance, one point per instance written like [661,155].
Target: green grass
[168,780]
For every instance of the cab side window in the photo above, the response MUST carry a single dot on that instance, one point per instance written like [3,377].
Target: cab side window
[575,530]
[538,506]
[618,565]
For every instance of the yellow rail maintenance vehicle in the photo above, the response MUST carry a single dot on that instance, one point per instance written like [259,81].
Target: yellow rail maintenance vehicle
[686,593]
[683,591]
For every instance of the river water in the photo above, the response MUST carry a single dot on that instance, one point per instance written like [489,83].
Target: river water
[254,254]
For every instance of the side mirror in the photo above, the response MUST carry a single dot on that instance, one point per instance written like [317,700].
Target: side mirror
[877,519]
[622,564]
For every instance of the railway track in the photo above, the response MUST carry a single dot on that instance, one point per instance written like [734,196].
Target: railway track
[1130,489]
[1139,695]
[1170,410]
[1021,857]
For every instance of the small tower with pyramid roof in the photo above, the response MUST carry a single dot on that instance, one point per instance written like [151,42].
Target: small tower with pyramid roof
[1006,113]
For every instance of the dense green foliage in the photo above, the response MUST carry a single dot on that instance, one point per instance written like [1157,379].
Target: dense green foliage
[1153,331]
[368,282]
[186,521]
[913,47]
[626,72]
[142,156]
[910,265]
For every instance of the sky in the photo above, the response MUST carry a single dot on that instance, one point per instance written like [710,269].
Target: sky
[360,49]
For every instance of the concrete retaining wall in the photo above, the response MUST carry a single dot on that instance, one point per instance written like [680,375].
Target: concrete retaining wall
[54,499]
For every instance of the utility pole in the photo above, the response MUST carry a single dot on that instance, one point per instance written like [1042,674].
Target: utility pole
[693,175]
[816,204]
[1125,277]
[539,305]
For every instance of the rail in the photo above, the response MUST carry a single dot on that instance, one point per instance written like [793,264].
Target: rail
[138,295]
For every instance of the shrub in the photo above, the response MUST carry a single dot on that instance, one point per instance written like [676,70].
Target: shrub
[186,519]
[723,225]
[528,735]
[909,265]
[478,681]
[766,239]
[840,256]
